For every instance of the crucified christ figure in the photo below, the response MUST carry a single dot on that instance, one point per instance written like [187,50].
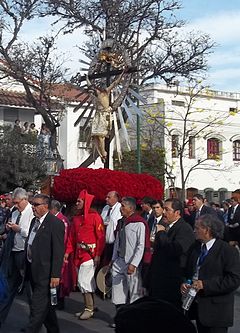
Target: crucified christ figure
[102,122]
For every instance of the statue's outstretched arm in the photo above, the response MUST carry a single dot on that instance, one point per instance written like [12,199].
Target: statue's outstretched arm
[115,83]
[88,81]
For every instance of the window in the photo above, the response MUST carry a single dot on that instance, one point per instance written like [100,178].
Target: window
[10,114]
[233,110]
[175,142]
[191,147]
[236,150]
[84,133]
[178,103]
[213,149]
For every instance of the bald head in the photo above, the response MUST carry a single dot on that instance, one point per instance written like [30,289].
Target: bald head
[112,198]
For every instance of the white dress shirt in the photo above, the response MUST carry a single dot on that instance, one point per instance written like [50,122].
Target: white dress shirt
[111,221]
[24,224]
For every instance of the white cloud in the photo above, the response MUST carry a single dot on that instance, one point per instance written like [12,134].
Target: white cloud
[222,27]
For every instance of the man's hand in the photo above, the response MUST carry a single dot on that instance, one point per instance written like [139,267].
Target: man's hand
[197,284]
[184,288]
[131,269]
[234,225]
[65,258]
[54,282]
[15,227]
[160,227]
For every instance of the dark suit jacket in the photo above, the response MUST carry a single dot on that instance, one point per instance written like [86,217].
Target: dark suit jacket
[47,250]
[220,273]
[169,260]
[236,216]
[207,210]
[233,234]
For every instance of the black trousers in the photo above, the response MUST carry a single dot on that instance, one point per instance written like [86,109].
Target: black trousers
[14,278]
[41,310]
[204,329]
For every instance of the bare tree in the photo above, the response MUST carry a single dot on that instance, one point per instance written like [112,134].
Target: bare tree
[189,124]
[148,29]
[31,64]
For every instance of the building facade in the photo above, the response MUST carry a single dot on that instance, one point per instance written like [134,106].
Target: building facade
[200,135]
[201,139]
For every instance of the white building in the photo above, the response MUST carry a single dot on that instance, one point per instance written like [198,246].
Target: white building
[217,147]
[212,139]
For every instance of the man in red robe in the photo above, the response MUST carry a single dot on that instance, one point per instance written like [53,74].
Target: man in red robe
[86,241]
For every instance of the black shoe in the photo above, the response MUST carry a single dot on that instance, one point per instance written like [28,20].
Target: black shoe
[23,329]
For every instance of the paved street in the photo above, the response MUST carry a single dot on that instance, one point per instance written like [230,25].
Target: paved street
[69,324]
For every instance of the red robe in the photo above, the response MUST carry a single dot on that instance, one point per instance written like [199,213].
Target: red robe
[87,228]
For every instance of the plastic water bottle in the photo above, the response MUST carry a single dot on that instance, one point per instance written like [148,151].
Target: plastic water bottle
[53,294]
[189,282]
[187,302]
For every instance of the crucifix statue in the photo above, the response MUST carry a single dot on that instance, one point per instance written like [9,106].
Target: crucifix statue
[102,120]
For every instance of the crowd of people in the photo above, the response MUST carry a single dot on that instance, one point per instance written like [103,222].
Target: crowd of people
[156,251]
[26,128]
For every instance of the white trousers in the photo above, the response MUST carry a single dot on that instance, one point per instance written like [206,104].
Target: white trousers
[86,280]
[125,288]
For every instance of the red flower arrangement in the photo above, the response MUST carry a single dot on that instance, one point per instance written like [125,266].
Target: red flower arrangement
[99,182]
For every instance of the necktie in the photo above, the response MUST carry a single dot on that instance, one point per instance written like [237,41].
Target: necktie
[18,218]
[36,225]
[109,211]
[197,214]
[31,238]
[154,226]
[203,254]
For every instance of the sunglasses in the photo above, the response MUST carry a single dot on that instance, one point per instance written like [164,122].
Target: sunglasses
[35,204]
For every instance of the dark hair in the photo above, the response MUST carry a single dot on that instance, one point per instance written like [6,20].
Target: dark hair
[176,205]
[213,223]
[130,201]
[147,200]
[198,196]
[145,314]
[155,202]
[45,198]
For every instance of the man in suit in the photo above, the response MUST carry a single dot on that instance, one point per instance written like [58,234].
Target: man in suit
[201,208]
[66,285]
[157,209]
[44,251]
[214,267]
[170,252]
[12,263]
[147,212]
[233,224]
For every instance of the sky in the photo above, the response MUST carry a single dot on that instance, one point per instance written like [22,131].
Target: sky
[218,18]
[221,20]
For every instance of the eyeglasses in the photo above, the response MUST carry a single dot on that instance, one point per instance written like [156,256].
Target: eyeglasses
[35,204]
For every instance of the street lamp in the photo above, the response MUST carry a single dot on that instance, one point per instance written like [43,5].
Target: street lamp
[53,165]
[171,185]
